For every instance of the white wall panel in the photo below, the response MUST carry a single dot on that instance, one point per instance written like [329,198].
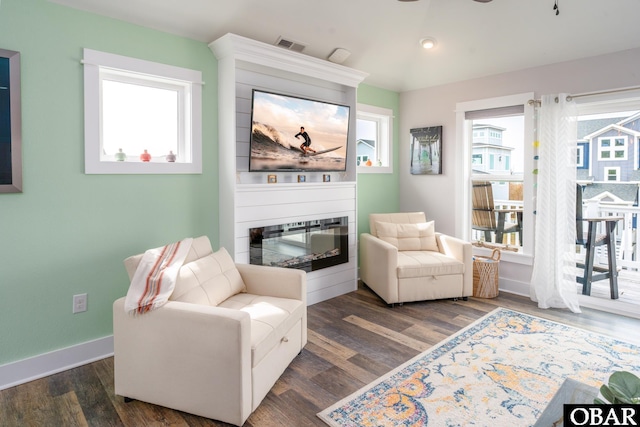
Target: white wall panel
[244,196]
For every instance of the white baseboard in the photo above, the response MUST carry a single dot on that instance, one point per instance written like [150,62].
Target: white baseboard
[330,292]
[33,368]
[515,287]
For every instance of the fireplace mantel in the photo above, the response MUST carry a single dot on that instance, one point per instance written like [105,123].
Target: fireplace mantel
[246,199]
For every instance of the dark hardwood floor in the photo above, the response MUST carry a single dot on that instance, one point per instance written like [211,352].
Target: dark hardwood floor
[353,339]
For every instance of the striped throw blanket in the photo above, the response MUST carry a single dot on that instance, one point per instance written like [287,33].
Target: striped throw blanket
[155,278]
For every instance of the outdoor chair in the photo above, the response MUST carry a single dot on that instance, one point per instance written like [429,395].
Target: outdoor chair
[592,239]
[485,217]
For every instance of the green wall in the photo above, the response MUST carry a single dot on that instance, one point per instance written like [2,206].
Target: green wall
[68,232]
[379,193]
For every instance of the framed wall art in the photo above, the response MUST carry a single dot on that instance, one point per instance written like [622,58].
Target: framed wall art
[10,123]
[426,151]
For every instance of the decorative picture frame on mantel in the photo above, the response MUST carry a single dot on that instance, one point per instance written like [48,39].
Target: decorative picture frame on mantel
[426,151]
[10,123]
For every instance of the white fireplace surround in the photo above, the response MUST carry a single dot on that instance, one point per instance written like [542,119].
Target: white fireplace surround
[246,199]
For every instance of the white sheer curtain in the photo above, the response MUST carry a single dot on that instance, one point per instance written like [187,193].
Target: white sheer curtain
[553,282]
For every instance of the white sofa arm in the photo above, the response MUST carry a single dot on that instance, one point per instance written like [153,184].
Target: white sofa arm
[378,267]
[462,251]
[186,356]
[277,282]
[274,281]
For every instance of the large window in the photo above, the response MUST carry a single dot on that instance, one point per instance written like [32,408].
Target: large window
[374,130]
[608,129]
[140,116]
[499,193]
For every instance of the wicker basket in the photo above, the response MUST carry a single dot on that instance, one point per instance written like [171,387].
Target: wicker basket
[485,275]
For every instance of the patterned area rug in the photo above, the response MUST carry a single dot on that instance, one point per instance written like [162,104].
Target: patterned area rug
[502,370]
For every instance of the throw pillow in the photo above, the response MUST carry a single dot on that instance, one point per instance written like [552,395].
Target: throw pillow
[208,280]
[409,237]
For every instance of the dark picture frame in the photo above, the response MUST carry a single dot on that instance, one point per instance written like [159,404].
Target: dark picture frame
[10,123]
[426,150]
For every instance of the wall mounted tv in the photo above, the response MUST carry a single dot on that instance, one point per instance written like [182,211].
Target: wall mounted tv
[278,144]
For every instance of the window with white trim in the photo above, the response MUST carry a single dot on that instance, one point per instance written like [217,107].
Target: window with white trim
[580,156]
[612,174]
[141,116]
[512,186]
[374,138]
[612,148]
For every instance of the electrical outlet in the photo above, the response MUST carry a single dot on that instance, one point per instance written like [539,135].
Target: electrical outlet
[79,303]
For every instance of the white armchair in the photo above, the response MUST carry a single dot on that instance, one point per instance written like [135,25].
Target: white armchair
[212,351]
[403,259]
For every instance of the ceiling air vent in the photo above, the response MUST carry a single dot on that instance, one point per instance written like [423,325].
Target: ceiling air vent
[290,44]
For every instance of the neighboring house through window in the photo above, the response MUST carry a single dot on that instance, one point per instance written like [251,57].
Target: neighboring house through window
[498,145]
[374,136]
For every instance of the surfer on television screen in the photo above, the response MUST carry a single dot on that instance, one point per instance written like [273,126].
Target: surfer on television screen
[305,146]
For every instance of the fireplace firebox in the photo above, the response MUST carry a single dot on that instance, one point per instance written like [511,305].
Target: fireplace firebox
[307,245]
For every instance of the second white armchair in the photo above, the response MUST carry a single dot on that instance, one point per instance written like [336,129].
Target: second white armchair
[404,259]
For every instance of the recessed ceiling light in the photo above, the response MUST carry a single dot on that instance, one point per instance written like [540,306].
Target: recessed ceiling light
[428,42]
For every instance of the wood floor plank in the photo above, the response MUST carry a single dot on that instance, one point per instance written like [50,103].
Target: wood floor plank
[338,382]
[27,406]
[305,388]
[134,413]
[425,334]
[343,363]
[394,336]
[69,410]
[274,411]
[335,348]
[353,340]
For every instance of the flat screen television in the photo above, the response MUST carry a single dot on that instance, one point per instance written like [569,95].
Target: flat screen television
[289,133]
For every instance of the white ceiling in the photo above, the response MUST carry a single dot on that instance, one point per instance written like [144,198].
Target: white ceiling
[473,39]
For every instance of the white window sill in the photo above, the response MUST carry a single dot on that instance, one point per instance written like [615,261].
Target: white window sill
[142,168]
[506,256]
[375,169]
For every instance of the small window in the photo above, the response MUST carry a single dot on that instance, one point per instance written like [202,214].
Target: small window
[580,156]
[140,116]
[374,136]
[612,174]
[477,159]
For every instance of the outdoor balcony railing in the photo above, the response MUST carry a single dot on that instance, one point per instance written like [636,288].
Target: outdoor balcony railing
[625,233]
